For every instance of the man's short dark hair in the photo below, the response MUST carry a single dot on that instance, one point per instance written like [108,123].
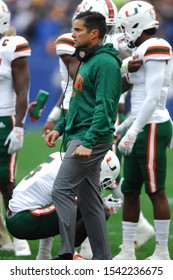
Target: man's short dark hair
[94,20]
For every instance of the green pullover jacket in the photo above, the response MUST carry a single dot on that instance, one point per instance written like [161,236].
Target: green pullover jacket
[94,102]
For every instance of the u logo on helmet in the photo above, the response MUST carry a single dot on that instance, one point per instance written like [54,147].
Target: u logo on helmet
[110,169]
[108,162]
[131,14]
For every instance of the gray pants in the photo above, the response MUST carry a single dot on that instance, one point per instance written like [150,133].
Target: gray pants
[81,177]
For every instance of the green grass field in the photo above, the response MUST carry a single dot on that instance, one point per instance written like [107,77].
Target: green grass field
[35,151]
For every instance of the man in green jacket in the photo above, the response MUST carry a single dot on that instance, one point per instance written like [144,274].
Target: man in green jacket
[89,128]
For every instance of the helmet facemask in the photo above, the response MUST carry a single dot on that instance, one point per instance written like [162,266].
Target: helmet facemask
[107,183]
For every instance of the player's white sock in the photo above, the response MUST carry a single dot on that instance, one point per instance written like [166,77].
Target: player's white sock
[127,251]
[45,247]
[129,230]
[21,247]
[162,234]
[161,251]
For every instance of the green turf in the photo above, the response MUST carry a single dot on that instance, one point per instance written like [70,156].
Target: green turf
[35,150]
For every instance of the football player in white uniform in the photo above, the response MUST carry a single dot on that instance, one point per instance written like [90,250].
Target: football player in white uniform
[31,213]
[148,129]
[14,88]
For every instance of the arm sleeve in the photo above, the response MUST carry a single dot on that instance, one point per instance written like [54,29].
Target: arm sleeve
[127,122]
[154,82]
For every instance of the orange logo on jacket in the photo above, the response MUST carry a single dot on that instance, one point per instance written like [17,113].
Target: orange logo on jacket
[78,85]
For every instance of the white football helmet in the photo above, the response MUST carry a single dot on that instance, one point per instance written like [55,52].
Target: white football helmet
[110,169]
[135,17]
[105,7]
[76,12]
[4,17]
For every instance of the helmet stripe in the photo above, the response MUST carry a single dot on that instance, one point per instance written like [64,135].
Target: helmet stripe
[110,8]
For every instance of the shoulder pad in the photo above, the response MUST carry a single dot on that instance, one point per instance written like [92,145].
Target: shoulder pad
[65,44]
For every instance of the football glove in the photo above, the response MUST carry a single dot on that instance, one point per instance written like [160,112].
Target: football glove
[120,130]
[15,140]
[127,142]
[114,204]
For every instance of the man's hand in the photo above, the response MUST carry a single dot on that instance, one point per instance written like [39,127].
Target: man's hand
[134,64]
[51,138]
[15,140]
[114,204]
[126,144]
[47,128]
[31,106]
[51,120]
[82,151]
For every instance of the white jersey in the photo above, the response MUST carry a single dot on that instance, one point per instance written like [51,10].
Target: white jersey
[65,46]
[35,190]
[152,49]
[11,47]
